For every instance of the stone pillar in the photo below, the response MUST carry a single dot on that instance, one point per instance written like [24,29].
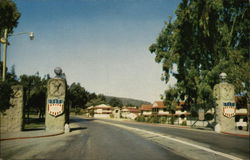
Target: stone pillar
[12,119]
[225,106]
[56,113]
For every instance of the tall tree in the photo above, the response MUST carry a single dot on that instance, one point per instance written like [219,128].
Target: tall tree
[9,15]
[206,38]
[115,102]
[77,95]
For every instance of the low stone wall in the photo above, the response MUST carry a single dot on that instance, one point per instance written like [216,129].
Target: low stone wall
[12,119]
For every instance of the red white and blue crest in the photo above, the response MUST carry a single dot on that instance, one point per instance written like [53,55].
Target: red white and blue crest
[55,107]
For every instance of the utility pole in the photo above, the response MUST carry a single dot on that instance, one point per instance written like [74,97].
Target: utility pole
[5,43]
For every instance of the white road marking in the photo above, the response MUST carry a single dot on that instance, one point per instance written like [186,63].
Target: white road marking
[176,140]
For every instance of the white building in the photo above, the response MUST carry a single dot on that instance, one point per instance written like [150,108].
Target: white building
[102,111]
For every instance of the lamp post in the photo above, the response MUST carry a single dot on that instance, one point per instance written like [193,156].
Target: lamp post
[4,40]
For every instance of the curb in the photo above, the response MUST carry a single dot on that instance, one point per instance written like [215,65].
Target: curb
[14,138]
[235,134]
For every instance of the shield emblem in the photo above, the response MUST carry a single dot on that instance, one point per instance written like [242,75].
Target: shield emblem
[55,107]
[229,111]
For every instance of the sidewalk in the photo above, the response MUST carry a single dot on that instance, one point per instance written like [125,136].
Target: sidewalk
[28,134]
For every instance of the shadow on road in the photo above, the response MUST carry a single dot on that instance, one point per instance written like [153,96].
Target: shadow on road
[75,119]
[77,128]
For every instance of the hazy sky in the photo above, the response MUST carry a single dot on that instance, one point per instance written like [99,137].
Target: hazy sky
[103,44]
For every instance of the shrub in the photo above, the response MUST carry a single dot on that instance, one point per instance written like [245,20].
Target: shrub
[163,120]
[184,123]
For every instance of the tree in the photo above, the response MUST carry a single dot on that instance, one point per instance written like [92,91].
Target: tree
[77,95]
[5,89]
[9,16]
[5,95]
[96,100]
[34,93]
[115,102]
[206,38]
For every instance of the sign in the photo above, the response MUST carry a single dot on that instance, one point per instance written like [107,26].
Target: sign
[201,114]
[229,111]
[55,107]
[229,104]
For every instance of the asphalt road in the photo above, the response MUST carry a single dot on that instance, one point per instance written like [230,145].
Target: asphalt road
[88,140]
[233,145]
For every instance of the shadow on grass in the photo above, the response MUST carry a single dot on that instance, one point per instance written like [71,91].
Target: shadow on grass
[33,129]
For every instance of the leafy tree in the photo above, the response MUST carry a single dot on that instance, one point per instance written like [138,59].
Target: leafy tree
[206,38]
[77,95]
[5,95]
[9,16]
[5,89]
[115,102]
[34,93]
[96,100]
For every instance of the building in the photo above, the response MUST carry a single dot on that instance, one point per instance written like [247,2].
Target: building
[146,109]
[102,111]
[160,109]
[130,112]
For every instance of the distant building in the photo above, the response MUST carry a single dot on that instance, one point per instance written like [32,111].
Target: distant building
[102,111]
[146,109]
[160,109]
[130,112]
[116,112]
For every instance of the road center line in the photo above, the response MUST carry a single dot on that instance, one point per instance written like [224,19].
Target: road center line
[174,139]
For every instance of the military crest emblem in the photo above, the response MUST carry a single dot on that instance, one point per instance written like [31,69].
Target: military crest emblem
[55,107]
[229,111]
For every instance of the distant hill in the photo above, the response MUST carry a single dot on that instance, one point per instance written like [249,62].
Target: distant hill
[128,101]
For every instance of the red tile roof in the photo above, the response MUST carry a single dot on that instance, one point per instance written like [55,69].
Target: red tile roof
[133,110]
[146,107]
[158,104]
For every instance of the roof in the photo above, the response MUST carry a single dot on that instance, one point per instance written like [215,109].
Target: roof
[133,110]
[146,107]
[158,104]
[103,106]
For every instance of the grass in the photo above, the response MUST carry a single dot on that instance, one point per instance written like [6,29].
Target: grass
[34,123]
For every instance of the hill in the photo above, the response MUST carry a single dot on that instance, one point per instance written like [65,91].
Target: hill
[128,101]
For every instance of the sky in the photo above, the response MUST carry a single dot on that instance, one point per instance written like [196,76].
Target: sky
[102,44]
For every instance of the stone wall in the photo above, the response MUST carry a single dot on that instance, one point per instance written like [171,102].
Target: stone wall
[12,119]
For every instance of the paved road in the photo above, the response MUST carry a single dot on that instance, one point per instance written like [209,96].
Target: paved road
[236,146]
[89,140]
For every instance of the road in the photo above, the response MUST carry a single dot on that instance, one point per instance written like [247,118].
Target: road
[114,140]
[88,141]
[238,146]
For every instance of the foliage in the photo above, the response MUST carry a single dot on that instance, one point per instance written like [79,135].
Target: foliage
[77,95]
[154,119]
[5,95]
[9,16]
[128,101]
[96,100]
[206,38]
[5,89]
[115,102]
[163,120]
[35,89]
[140,118]
[184,123]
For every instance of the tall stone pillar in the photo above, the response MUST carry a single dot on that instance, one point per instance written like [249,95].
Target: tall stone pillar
[225,106]
[12,119]
[55,103]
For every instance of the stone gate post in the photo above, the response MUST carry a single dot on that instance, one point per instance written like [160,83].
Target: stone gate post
[56,113]
[225,105]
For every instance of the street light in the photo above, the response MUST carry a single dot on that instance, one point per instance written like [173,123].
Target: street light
[4,40]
